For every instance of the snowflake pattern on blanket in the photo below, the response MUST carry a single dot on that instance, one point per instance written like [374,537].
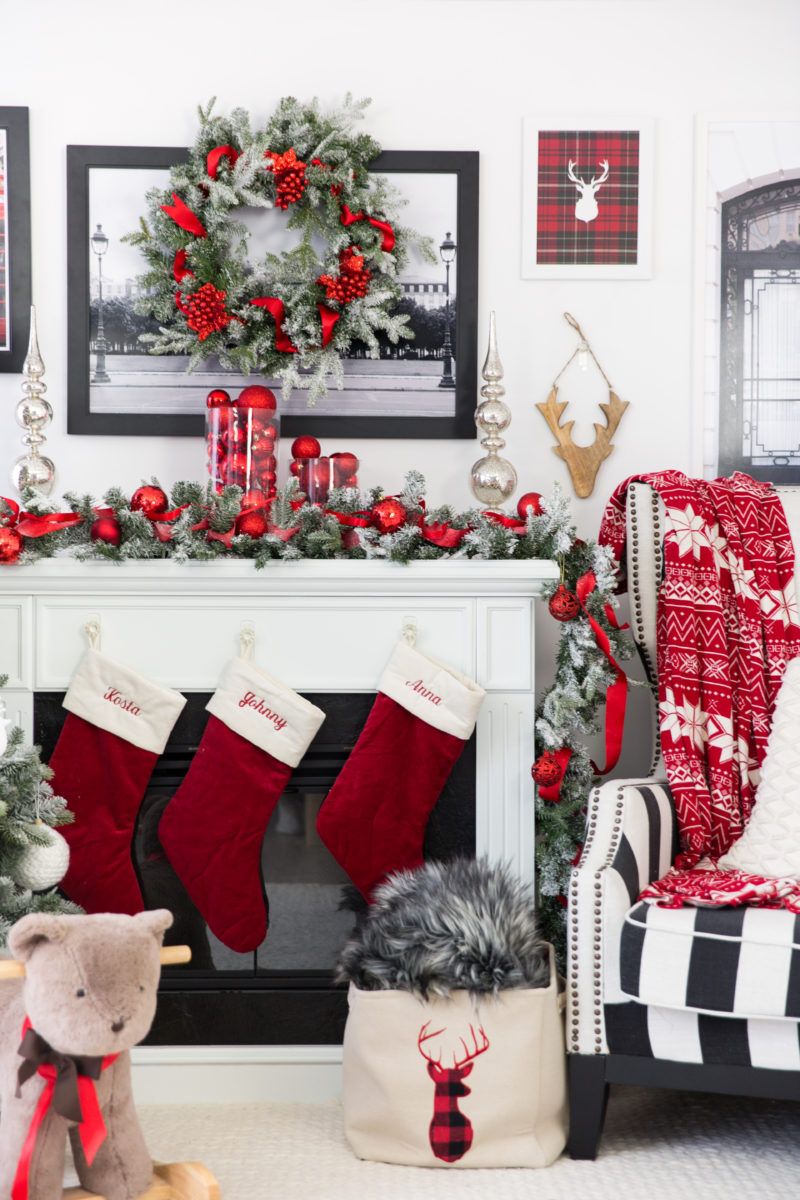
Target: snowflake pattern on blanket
[727,625]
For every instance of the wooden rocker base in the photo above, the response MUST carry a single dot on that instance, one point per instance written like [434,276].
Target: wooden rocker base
[172,1181]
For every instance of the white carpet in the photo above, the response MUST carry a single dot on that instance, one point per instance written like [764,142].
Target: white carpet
[657,1146]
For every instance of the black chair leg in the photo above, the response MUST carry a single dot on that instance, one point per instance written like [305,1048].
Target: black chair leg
[588,1097]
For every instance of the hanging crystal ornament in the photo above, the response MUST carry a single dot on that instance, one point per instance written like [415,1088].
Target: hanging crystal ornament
[493,478]
[33,414]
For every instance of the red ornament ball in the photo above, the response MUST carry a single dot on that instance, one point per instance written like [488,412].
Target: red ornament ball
[306,447]
[254,498]
[345,464]
[546,771]
[254,524]
[564,604]
[529,500]
[296,467]
[106,529]
[150,500]
[388,515]
[256,396]
[10,545]
[218,398]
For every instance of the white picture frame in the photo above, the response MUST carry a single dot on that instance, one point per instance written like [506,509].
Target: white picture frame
[598,258]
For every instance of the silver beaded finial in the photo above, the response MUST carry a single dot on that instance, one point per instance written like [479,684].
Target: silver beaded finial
[33,414]
[493,478]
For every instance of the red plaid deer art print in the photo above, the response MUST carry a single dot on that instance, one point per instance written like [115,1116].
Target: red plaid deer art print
[450,1131]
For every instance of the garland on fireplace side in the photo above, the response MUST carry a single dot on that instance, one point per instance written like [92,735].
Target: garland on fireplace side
[33,856]
[195,523]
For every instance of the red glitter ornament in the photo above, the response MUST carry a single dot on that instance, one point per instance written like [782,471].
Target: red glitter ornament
[306,447]
[218,398]
[150,500]
[529,500]
[546,771]
[106,529]
[352,282]
[296,467]
[290,177]
[256,396]
[388,515]
[11,544]
[254,524]
[564,605]
[205,311]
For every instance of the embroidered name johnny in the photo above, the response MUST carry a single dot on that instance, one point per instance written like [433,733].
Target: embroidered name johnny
[114,697]
[418,686]
[251,700]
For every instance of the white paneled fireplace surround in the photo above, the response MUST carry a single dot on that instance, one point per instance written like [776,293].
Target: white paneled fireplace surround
[326,629]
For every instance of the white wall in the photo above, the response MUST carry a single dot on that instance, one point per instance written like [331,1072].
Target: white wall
[443,74]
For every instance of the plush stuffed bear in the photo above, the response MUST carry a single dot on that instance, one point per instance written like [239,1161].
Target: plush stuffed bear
[88,996]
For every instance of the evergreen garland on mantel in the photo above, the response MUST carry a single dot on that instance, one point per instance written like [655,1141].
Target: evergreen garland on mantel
[202,525]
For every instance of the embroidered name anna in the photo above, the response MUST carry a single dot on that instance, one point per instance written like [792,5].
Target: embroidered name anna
[418,686]
[113,697]
[251,700]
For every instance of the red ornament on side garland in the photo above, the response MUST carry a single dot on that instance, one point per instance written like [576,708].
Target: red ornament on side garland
[256,396]
[106,529]
[11,544]
[254,524]
[150,500]
[546,771]
[564,604]
[218,398]
[306,447]
[529,500]
[388,515]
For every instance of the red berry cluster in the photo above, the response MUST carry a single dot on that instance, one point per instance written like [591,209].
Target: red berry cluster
[290,177]
[206,312]
[352,282]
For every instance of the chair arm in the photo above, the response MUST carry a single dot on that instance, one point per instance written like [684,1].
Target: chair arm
[631,840]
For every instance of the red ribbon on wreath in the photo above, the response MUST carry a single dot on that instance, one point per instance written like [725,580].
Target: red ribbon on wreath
[347,217]
[33,525]
[183,216]
[277,310]
[179,267]
[68,1091]
[215,157]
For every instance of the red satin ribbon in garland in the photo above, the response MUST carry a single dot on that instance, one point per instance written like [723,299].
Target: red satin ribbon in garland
[33,525]
[443,535]
[91,1129]
[552,791]
[183,216]
[277,310]
[215,157]
[508,522]
[617,692]
[347,217]
[361,520]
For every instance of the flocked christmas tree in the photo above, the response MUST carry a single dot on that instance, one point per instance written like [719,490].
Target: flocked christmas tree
[32,855]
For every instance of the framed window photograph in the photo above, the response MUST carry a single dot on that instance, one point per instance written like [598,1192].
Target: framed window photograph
[423,388]
[587,198]
[15,238]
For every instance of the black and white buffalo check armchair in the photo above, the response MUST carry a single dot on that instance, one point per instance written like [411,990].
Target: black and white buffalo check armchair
[699,999]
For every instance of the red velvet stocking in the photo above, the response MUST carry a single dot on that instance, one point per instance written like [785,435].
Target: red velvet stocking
[213,828]
[374,817]
[117,726]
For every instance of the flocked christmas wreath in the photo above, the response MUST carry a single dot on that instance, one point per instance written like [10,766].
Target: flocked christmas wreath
[290,311]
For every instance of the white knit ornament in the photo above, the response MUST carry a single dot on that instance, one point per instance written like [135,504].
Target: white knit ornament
[42,867]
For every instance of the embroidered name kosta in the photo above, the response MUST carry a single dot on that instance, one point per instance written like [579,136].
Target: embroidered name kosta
[251,700]
[418,686]
[114,697]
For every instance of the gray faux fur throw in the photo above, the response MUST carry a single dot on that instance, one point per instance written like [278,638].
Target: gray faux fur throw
[459,924]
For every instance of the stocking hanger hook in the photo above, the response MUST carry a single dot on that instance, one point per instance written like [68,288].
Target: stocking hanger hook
[92,631]
[247,641]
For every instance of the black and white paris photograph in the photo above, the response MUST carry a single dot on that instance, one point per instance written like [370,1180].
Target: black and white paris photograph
[423,387]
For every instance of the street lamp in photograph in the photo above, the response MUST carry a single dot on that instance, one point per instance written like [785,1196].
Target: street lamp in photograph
[99,243]
[447,251]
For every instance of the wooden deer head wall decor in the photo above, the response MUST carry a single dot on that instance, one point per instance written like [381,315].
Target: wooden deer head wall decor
[583,462]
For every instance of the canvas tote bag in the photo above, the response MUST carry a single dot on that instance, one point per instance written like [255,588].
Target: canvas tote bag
[459,1082]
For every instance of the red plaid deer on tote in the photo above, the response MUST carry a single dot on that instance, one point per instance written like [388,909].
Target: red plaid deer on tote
[450,1131]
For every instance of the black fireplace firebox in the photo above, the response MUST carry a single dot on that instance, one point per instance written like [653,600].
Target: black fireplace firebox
[282,993]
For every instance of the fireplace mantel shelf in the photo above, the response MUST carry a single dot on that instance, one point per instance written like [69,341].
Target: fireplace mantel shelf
[333,577]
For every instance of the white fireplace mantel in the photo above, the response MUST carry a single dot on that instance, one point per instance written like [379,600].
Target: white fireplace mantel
[321,626]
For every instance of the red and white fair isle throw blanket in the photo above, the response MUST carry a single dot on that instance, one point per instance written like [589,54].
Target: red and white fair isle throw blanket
[727,626]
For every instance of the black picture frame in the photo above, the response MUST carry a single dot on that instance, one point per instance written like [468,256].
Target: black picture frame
[15,238]
[80,418]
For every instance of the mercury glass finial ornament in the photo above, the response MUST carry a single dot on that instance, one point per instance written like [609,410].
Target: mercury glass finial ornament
[33,414]
[493,478]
